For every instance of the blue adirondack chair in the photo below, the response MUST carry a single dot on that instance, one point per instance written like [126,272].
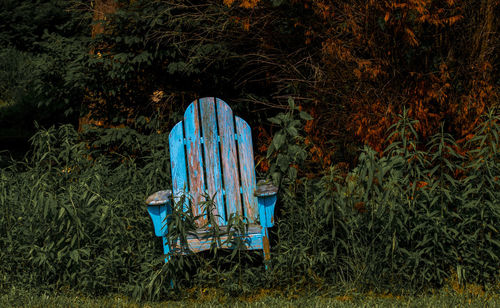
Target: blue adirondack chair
[211,155]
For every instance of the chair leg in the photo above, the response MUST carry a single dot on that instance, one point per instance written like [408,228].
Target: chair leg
[266,247]
[166,250]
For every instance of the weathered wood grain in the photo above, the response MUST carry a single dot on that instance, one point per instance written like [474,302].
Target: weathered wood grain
[194,159]
[212,158]
[253,239]
[159,197]
[247,166]
[178,163]
[211,152]
[229,155]
[265,189]
[266,210]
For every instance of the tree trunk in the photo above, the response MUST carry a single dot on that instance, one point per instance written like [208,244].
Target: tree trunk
[101,10]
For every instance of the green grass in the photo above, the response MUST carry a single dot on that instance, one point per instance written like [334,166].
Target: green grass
[211,298]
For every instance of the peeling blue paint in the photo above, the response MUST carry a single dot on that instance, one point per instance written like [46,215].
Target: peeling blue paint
[227,162]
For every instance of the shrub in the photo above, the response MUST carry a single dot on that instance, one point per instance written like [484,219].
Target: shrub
[73,216]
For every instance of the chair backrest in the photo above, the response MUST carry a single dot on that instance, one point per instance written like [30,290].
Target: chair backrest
[211,153]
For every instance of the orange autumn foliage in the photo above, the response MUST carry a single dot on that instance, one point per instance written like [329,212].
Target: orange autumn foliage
[355,65]
[247,4]
[386,55]
[263,141]
[317,147]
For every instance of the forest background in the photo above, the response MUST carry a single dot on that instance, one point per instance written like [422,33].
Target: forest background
[330,89]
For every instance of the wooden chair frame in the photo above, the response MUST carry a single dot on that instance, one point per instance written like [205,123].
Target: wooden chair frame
[211,154]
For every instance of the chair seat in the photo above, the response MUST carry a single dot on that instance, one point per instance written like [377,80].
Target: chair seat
[203,238]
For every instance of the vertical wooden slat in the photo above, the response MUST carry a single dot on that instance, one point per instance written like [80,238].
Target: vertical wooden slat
[229,158]
[245,153]
[212,158]
[194,159]
[178,163]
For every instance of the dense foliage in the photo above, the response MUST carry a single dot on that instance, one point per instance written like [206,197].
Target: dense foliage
[353,65]
[42,45]
[377,119]
[73,216]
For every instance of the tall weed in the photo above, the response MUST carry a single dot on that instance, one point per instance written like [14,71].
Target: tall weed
[72,216]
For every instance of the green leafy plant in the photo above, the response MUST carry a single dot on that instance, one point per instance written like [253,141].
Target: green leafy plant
[285,150]
[478,252]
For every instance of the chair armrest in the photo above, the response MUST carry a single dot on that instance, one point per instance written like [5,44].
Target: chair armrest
[265,189]
[266,194]
[159,207]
